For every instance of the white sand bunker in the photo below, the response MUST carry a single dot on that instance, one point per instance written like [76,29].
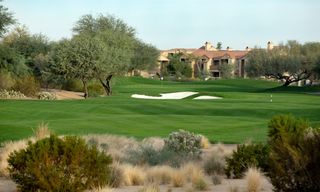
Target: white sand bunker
[177,95]
[204,97]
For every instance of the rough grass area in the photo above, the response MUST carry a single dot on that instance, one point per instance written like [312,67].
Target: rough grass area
[241,115]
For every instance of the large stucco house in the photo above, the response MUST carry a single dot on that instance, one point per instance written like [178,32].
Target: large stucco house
[211,60]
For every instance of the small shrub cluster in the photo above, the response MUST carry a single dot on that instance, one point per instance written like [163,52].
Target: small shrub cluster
[27,85]
[4,94]
[192,172]
[133,175]
[116,175]
[95,90]
[46,96]
[117,146]
[72,85]
[184,143]
[6,80]
[214,166]
[54,164]
[247,155]
[160,174]
[294,155]
[178,148]
[145,154]
[200,184]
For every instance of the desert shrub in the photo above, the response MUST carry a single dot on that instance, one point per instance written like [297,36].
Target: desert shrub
[72,85]
[200,184]
[116,175]
[47,96]
[192,171]
[177,178]
[9,147]
[247,155]
[6,80]
[95,90]
[184,143]
[148,155]
[204,142]
[222,150]
[254,178]
[54,164]
[155,142]
[159,174]
[27,85]
[4,94]
[178,148]
[6,149]
[133,175]
[42,131]
[214,165]
[294,155]
[144,154]
[117,146]
[286,128]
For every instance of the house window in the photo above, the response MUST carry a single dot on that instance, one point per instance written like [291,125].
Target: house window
[215,74]
[224,61]
[216,62]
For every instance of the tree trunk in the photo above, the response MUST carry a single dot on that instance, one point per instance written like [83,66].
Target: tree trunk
[287,83]
[85,89]
[106,85]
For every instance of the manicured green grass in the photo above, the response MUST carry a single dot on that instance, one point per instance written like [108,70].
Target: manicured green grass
[241,115]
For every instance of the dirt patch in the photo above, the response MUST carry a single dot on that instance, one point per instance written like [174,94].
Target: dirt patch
[62,94]
[7,185]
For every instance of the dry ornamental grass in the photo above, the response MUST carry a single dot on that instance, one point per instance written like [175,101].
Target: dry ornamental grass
[254,180]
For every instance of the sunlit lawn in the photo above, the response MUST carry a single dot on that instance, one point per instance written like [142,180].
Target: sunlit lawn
[241,115]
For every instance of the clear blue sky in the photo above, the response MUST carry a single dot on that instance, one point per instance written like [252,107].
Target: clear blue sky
[182,23]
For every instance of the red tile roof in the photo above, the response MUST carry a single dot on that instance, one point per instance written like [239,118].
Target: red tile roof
[180,49]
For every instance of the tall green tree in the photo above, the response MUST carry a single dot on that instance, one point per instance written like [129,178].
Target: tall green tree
[117,39]
[12,62]
[219,46]
[78,58]
[311,51]
[6,19]
[27,44]
[285,62]
[179,65]
[31,47]
[145,57]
